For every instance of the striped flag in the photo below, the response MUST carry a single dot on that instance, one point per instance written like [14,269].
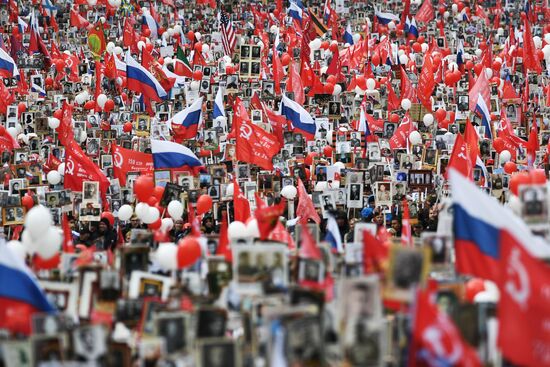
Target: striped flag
[228,33]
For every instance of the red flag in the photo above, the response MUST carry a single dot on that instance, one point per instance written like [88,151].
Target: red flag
[393,100]
[68,245]
[129,35]
[375,252]
[407,90]
[308,247]
[530,57]
[7,142]
[472,142]
[254,144]
[77,20]
[406,232]
[280,234]
[128,160]
[65,128]
[96,39]
[267,216]
[79,168]
[426,83]
[295,85]
[110,66]
[523,305]
[278,71]
[241,206]
[436,341]
[532,144]
[425,13]
[306,209]
[460,159]
[400,136]
[71,62]
[335,68]
[307,74]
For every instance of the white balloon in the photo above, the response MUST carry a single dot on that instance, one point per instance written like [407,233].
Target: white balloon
[371,84]
[118,50]
[61,168]
[356,38]
[125,212]
[101,100]
[415,138]
[141,45]
[428,119]
[273,29]
[38,221]
[403,59]
[537,41]
[425,47]
[151,216]
[546,51]
[167,256]
[166,224]
[142,210]
[478,52]
[53,122]
[453,66]
[49,243]
[391,25]
[177,28]
[28,242]
[315,44]
[83,136]
[18,249]
[236,230]
[337,90]
[289,192]
[339,165]
[194,85]
[205,48]
[53,177]
[454,8]
[115,3]
[175,209]
[168,60]
[489,73]
[252,229]
[505,156]
[110,48]
[92,2]
[198,36]
[406,104]
[12,131]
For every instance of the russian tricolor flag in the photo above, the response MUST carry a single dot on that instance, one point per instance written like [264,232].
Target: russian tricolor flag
[348,36]
[300,118]
[120,66]
[167,155]
[385,17]
[296,9]
[8,68]
[140,80]
[333,235]
[479,227]
[186,123]
[19,293]
[151,23]
[413,29]
[219,110]
[460,52]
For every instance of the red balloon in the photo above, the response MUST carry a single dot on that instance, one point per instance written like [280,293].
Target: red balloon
[158,192]
[146,32]
[417,47]
[394,118]
[49,81]
[421,39]
[498,144]
[191,36]
[46,264]
[497,65]
[325,45]
[89,105]
[518,179]
[27,201]
[198,47]
[375,59]
[59,65]
[473,287]
[333,47]
[229,69]
[127,127]
[110,217]
[149,47]
[156,225]
[21,107]
[197,75]
[327,151]
[285,59]
[444,124]
[510,167]
[144,187]
[189,251]
[309,158]
[469,65]
[440,114]
[478,68]
[109,105]
[361,82]
[58,114]
[2,130]
[538,176]
[204,204]
[332,79]
[329,88]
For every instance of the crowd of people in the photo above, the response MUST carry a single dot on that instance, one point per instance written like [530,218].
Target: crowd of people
[287,183]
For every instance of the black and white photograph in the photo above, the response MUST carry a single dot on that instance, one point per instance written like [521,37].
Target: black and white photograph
[90,342]
[90,192]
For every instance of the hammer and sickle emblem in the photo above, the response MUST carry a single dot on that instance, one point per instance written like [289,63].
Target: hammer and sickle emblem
[118,159]
[518,291]
[245,131]
[70,167]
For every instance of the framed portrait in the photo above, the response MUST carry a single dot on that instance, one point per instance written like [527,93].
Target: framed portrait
[218,352]
[142,125]
[408,266]
[144,284]
[134,258]
[13,215]
[47,349]
[162,177]
[175,328]
[90,342]
[90,192]
[17,353]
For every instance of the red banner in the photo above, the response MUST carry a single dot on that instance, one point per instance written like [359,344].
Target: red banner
[79,168]
[126,160]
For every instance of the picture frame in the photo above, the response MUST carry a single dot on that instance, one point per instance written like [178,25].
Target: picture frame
[144,284]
